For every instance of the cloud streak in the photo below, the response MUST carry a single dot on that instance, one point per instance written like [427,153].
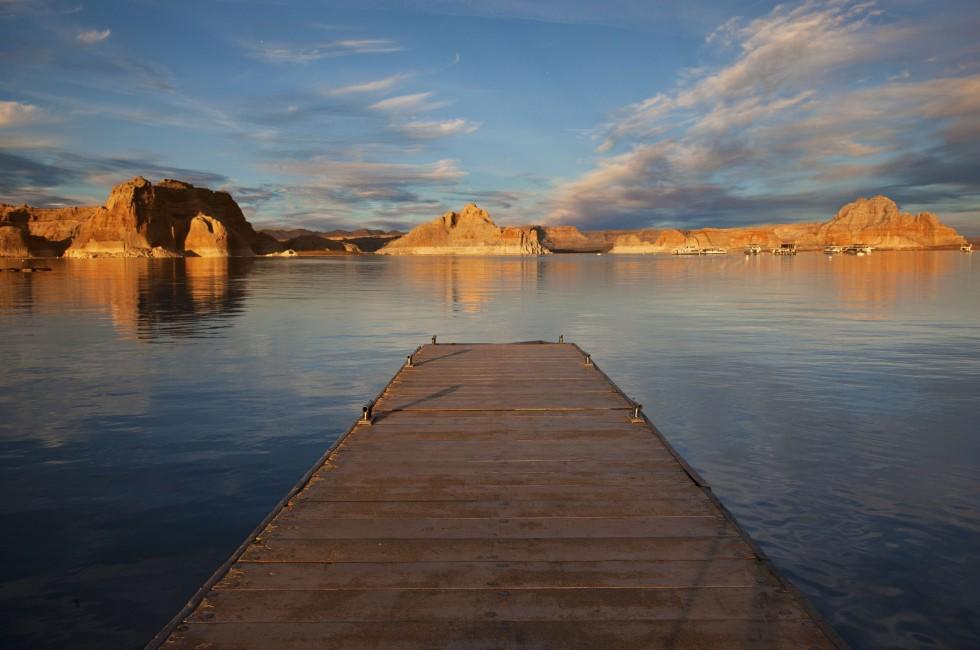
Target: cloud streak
[414,103]
[92,36]
[16,113]
[421,130]
[282,53]
[374,86]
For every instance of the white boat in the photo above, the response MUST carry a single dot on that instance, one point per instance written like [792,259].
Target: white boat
[785,249]
[833,250]
[858,249]
[688,250]
[714,251]
[753,249]
[967,248]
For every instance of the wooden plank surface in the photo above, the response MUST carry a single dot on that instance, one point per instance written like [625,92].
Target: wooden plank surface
[501,497]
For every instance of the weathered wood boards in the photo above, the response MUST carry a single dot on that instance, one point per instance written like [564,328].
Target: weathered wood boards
[501,497]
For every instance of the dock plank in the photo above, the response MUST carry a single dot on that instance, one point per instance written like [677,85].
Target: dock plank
[501,497]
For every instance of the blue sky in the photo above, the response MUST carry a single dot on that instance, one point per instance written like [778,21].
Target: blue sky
[606,115]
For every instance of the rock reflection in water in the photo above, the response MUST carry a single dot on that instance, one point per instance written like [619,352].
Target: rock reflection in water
[145,298]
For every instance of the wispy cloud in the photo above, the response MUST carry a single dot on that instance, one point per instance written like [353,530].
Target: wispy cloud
[430,130]
[15,113]
[331,190]
[369,178]
[33,178]
[282,53]
[374,86]
[414,103]
[92,36]
[754,140]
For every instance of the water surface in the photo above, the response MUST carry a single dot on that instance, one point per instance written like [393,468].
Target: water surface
[153,411]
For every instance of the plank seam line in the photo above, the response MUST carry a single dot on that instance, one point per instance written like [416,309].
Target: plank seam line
[490,518]
[752,585]
[543,409]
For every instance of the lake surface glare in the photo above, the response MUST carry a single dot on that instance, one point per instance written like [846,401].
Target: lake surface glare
[152,412]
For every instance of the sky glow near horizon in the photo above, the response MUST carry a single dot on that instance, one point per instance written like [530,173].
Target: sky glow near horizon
[620,114]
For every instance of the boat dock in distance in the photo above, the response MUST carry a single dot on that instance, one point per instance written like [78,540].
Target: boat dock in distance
[499,496]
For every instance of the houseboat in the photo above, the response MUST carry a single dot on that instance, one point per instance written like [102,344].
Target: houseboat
[714,251]
[967,248]
[833,250]
[688,250]
[754,249]
[858,249]
[785,249]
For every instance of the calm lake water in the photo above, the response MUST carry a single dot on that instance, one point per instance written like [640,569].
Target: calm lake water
[152,412]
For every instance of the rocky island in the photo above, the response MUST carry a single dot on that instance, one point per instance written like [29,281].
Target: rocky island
[468,232]
[175,219]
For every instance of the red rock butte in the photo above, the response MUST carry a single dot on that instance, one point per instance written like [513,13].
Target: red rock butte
[469,232]
[139,219]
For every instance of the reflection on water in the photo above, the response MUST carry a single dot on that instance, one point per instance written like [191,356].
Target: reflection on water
[145,298]
[154,410]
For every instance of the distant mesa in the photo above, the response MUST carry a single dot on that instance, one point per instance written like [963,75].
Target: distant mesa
[875,222]
[468,232]
[362,240]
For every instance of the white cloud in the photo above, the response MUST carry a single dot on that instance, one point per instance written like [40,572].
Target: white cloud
[92,36]
[782,124]
[791,49]
[430,130]
[414,103]
[281,53]
[14,113]
[377,85]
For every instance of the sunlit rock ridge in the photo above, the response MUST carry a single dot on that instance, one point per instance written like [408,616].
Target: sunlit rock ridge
[874,222]
[175,219]
[468,232]
[139,219]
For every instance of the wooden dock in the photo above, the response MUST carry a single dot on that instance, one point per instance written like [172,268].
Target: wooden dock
[502,496]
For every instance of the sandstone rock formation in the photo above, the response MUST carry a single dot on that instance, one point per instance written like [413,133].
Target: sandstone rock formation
[141,219]
[13,242]
[47,231]
[469,232]
[208,237]
[569,239]
[876,222]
